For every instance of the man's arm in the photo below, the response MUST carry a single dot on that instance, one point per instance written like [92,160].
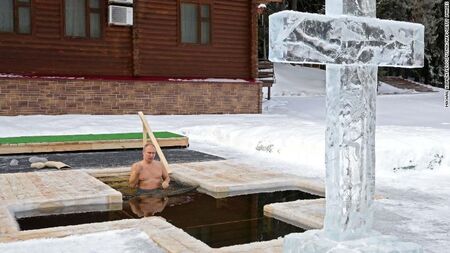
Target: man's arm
[134,176]
[165,177]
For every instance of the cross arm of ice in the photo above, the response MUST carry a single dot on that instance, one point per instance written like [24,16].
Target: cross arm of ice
[298,37]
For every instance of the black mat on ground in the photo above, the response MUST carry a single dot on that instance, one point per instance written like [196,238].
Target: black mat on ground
[101,159]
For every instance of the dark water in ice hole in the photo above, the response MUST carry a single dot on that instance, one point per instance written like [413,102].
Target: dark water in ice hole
[216,222]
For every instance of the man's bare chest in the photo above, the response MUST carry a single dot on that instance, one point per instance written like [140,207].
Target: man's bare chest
[150,172]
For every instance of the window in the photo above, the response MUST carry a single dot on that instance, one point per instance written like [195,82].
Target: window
[15,16]
[82,18]
[195,23]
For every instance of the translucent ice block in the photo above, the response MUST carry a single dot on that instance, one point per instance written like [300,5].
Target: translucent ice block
[297,37]
[350,150]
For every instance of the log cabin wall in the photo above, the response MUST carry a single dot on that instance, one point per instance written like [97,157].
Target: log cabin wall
[152,47]
[47,51]
[159,51]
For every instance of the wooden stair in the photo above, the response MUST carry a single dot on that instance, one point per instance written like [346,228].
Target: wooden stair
[266,75]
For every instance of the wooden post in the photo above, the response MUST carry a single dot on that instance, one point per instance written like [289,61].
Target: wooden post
[144,135]
[148,130]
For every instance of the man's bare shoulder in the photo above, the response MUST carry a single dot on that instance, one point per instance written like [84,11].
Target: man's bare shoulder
[136,166]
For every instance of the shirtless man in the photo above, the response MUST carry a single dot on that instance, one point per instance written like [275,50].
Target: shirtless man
[148,174]
[144,206]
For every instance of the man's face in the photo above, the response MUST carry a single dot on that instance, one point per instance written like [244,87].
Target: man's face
[149,153]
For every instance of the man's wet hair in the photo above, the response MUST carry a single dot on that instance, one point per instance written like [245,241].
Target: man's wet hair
[148,144]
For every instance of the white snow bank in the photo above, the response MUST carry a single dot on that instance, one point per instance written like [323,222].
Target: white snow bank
[303,145]
[117,241]
[297,80]
[214,80]
[387,89]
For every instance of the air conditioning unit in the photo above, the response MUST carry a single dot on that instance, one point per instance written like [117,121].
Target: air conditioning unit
[120,15]
[121,1]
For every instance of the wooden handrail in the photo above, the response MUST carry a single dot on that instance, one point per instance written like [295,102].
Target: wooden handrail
[147,131]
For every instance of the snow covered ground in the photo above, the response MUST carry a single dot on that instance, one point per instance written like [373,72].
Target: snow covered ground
[412,146]
[125,241]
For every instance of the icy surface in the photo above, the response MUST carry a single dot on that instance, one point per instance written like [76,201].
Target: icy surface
[359,45]
[116,241]
[298,37]
[314,241]
[350,151]
[297,80]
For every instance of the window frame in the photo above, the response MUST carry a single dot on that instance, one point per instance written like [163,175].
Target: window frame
[15,30]
[87,22]
[198,4]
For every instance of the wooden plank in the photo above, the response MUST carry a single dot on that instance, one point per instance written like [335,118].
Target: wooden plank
[265,74]
[265,65]
[87,145]
[149,131]
[266,83]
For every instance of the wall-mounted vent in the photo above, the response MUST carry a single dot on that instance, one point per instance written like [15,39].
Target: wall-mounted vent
[120,15]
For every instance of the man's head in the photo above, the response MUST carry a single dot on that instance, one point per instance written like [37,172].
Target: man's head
[148,152]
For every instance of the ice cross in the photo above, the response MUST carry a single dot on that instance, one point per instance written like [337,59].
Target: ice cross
[352,43]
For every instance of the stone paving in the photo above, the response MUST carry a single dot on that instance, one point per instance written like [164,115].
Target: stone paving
[161,232]
[50,192]
[224,178]
[167,236]
[307,214]
[229,178]
[57,191]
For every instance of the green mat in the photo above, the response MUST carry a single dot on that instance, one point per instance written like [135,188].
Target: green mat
[83,137]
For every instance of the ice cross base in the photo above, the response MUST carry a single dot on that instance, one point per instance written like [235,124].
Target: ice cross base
[353,44]
[315,241]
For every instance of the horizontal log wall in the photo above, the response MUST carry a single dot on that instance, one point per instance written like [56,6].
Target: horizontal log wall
[27,96]
[158,51]
[47,51]
[149,48]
